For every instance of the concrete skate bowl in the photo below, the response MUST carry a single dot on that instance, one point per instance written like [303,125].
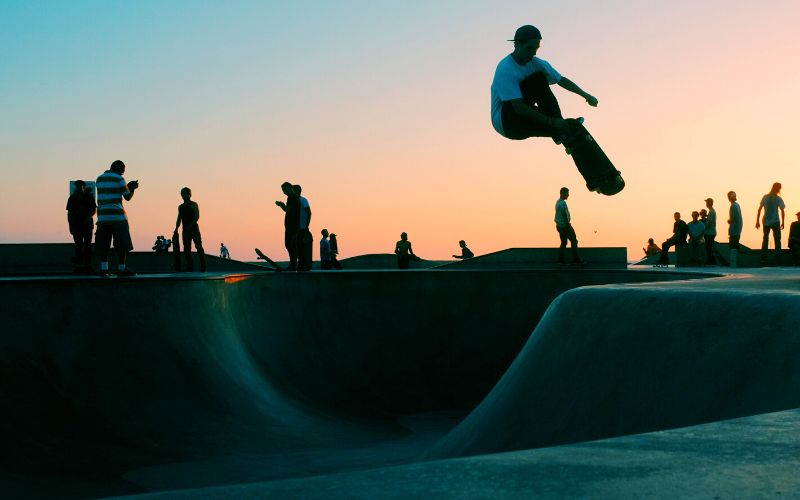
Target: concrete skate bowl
[620,360]
[102,376]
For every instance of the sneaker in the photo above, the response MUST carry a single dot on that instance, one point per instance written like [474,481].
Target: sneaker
[126,272]
[104,273]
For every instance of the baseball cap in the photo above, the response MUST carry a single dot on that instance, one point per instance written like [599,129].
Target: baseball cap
[709,199]
[525,33]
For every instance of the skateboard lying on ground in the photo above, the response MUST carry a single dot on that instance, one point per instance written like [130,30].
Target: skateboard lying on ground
[266,259]
[593,164]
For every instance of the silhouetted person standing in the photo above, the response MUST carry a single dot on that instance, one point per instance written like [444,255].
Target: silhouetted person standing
[735,225]
[794,240]
[564,228]
[81,208]
[696,242]
[466,253]
[223,252]
[324,251]
[335,252]
[291,222]
[404,251]
[305,241]
[679,232]
[771,203]
[711,232]
[112,221]
[189,215]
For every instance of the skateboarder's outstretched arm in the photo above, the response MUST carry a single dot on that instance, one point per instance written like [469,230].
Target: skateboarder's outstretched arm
[567,84]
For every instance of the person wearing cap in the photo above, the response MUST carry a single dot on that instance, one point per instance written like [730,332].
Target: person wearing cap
[794,240]
[522,103]
[735,224]
[770,203]
[711,232]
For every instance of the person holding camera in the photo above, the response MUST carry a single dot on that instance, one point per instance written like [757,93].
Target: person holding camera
[112,221]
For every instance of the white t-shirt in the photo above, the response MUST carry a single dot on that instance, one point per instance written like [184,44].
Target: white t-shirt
[771,203]
[507,77]
[562,213]
[303,215]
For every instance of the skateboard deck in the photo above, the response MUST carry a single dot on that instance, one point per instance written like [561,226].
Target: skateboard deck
[176,251]
[266,259]
[593,164]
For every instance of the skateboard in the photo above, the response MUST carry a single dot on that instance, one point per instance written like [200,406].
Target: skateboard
[593,164]
[176,251]
[266,259]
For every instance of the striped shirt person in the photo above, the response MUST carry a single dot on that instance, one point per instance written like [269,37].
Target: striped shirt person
[112,222]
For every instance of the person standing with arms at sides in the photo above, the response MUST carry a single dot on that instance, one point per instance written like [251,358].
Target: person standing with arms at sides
[711,232]
[80,216]
[324,251]
[305,241]
[291,222]
[404,252]
[794,240]
[188,215]
[223,252]
[771,202]
[112,221]
[696,230]
[334,252]
[735,224]
[564,228]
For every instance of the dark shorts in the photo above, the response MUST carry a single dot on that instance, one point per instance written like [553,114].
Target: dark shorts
[119,231]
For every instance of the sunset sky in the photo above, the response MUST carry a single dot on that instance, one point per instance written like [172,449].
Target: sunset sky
[380,110]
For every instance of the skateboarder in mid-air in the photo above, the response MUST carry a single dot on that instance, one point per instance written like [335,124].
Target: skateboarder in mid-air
[524,106]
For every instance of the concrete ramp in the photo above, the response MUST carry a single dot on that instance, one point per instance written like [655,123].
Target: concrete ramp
[618,360]
[543,258]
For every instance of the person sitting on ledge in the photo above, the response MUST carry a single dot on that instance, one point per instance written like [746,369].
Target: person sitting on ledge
[679,232]
[652,248]
[466,253]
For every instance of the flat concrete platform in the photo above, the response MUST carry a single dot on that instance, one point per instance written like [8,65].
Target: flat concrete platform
[372,383]
[752,457]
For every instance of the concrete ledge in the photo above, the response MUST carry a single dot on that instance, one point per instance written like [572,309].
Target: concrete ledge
[543,258]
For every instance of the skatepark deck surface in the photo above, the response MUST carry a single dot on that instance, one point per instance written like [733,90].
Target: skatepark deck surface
[164,382]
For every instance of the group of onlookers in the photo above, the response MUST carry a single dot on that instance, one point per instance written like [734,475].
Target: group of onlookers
[700,234]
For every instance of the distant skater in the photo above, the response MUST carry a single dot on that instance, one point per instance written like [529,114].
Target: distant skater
[651,248]
[335,252]
[771,203]
[564,228]
[466,253]
[679,232]
[189,215]
[291,222]
[223,252]
[711,232]
[735,225]
[696,242]
[112,221]
[404,251]
[794,240]
[324,251]
[81,208]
